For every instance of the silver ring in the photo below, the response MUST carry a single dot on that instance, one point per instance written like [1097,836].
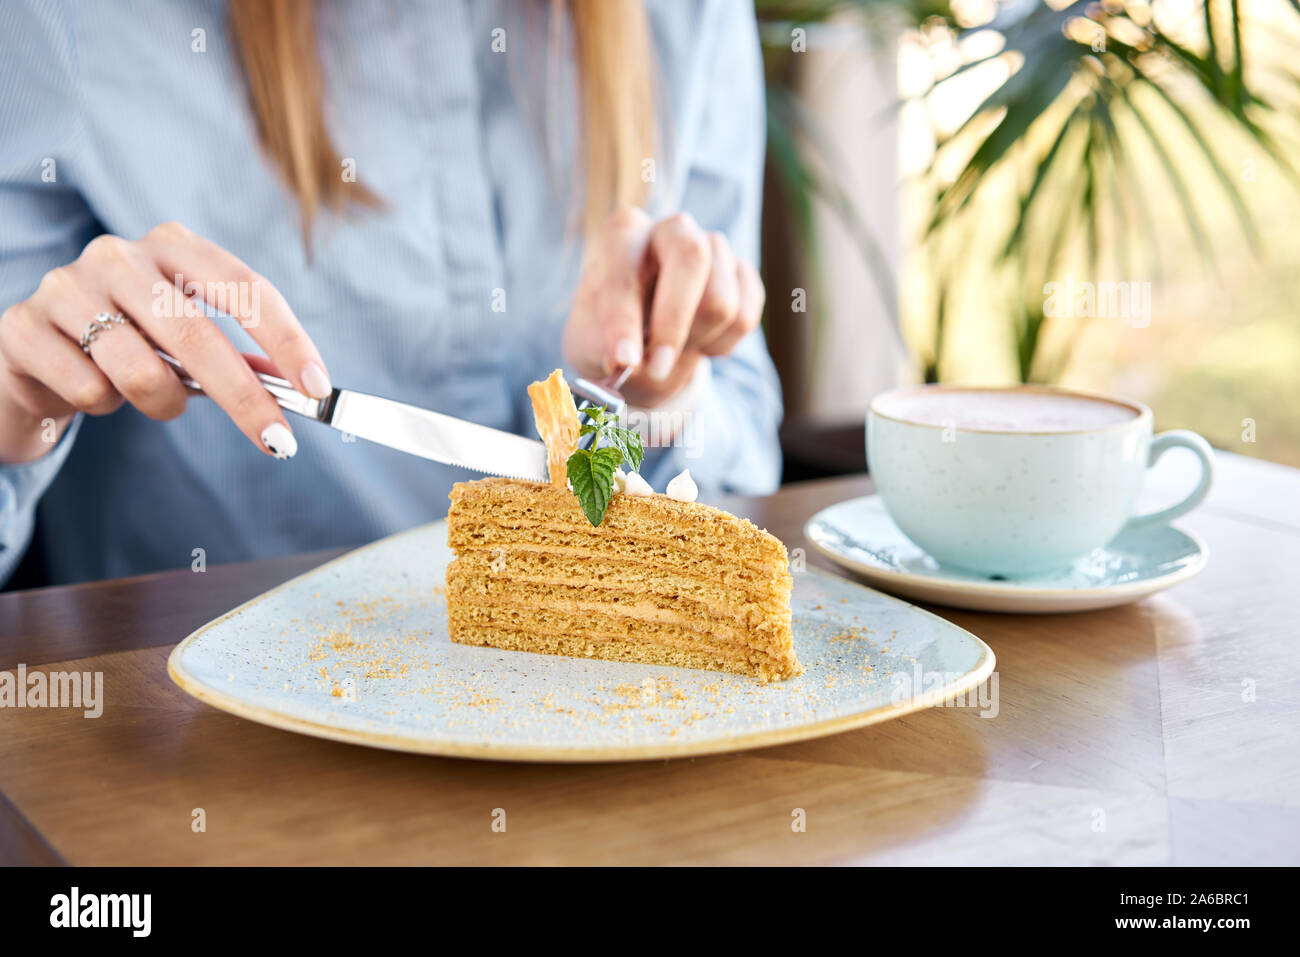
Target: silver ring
[101,323]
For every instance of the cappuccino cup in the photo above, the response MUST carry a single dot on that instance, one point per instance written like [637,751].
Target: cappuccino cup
[1016,481]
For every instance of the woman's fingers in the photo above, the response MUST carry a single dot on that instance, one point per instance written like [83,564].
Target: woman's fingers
[670,284]
[47,375]
[262,364]
[135,282]
[131,282]
[120,352]
[33,397]
[212,360]
[683,256]
[31,416]
[138,374]
[720,303]
[749,311]
[243,294]
[35,350]
[605,331]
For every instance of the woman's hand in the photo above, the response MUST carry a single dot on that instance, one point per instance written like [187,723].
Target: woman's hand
[658,297]
[45,376]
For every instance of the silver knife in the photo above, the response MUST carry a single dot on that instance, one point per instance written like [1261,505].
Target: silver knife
[430,435]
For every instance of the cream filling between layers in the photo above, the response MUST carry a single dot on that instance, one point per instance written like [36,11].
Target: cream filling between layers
[712,545]
[498,636]
[748,617]
[602,573]
[575,616]
[649,549]
[507,619]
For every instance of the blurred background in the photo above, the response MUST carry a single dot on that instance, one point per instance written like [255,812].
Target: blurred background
[943,176]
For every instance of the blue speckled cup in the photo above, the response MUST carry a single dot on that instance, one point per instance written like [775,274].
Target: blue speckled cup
[1009,502]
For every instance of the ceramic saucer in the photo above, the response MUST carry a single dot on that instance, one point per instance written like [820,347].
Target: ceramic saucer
[860,536]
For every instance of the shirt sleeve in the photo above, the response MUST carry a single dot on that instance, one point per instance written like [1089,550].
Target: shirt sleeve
[729,441]
[21,487]
[44,222]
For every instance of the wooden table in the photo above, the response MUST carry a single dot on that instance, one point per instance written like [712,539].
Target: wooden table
[1161,732]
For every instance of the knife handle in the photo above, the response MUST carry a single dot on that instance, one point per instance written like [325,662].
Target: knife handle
[285,395]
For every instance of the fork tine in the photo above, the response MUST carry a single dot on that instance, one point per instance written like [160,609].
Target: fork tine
[598,395]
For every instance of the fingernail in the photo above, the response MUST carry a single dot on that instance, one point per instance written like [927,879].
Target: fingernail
[279,441]
[315,381]
[661,362]
[627,353]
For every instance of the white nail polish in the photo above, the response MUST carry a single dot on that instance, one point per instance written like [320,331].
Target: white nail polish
[279,441]
[661,362]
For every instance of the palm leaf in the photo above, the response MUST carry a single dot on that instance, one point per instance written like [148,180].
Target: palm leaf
[1230,190]
[1042,169]
[1175,178]
[1085,186]
[1122,197]
[1025,96]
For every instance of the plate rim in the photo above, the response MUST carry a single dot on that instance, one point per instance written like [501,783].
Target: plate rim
[1009,589]
[260,714]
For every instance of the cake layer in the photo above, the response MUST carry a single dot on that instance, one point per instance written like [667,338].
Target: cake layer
[597,561]
[572,607]
[723,597]
[667,554]
[493,510]
[602,632]
[615,650]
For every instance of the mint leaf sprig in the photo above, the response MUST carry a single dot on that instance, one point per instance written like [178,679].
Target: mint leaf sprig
[605,426]
[591,471]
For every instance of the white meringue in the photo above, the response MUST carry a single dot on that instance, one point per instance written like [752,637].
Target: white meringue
[634,484]
[620,480]
[683,488]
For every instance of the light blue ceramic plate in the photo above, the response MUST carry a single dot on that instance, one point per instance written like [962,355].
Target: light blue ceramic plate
[860,536]
[357,650]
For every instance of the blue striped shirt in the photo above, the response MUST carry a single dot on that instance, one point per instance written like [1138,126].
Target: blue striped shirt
[139,110]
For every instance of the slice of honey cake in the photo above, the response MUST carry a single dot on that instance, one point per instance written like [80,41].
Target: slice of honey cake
[643,577]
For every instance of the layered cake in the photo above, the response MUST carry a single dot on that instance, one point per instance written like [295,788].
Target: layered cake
[563,569]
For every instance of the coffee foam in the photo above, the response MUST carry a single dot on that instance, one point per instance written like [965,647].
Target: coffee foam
[1009,410]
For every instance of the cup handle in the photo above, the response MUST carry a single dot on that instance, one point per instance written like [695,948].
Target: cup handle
[1161,444]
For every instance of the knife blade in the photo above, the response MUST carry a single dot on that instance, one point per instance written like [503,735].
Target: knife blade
[407,428]
[435,436]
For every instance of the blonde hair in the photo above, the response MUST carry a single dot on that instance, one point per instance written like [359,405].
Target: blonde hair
[276,43]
